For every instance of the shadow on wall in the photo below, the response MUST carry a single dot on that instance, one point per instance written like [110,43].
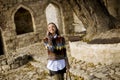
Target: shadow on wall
[105,41]
[77,37]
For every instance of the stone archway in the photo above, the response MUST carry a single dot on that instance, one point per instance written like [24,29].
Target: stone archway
[53,14]
[23,21]
[1,44]
[78,25]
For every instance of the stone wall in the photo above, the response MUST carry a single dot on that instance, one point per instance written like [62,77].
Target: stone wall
[13,62]
[78,25]
[95,53]
[3,63]
[113,7]
[36,8]
[12,42]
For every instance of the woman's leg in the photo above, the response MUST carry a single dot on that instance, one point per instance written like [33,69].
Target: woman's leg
[59,76]
[56,76]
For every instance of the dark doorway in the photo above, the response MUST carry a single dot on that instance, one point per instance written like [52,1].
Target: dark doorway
[1,45]
[23,21]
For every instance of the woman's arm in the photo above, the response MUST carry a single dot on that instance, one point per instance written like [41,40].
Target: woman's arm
[65,54]
[48,44]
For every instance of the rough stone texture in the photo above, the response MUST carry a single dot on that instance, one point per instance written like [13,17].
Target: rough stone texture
[96,53]
[113,7]
[36,8]
[80,70]
[95,19]
[18,49]
[12,41]
[78,25]
[111,37]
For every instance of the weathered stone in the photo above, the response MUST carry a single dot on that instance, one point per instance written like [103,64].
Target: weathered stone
[36,69]
[95,53]
[118,73]
[3,62]
[96,79]
[14,66]
[116,77]
[6,67]
[99,75]
[15,47]
[112,72]
[0,69]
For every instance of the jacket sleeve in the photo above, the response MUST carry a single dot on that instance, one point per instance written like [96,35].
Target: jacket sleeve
[64,45]
[46,43]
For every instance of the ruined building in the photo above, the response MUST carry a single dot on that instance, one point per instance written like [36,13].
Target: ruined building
[24,22]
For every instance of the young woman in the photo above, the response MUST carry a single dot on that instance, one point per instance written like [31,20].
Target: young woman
[57,57]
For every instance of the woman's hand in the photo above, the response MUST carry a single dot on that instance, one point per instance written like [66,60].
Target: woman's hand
[50,41]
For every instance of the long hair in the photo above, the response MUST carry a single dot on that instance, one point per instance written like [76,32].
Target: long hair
[57,31]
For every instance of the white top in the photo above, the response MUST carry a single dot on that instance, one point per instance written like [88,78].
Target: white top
[56,65]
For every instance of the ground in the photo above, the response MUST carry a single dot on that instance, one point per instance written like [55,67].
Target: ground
[36,69]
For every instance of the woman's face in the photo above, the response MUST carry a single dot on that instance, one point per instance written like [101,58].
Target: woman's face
[51,28]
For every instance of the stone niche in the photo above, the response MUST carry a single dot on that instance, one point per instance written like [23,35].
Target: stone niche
[95,53]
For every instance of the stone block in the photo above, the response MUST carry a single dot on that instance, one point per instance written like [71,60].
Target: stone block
[95,53]
[6,68]
[14,66]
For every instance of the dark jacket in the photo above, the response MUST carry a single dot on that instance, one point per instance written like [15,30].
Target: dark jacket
[55,47]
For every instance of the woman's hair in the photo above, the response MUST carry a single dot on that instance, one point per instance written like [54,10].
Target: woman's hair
[57,31]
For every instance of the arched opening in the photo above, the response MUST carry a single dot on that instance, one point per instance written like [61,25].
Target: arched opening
[23,21]
[78,26]
[1,45]
[53,14]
